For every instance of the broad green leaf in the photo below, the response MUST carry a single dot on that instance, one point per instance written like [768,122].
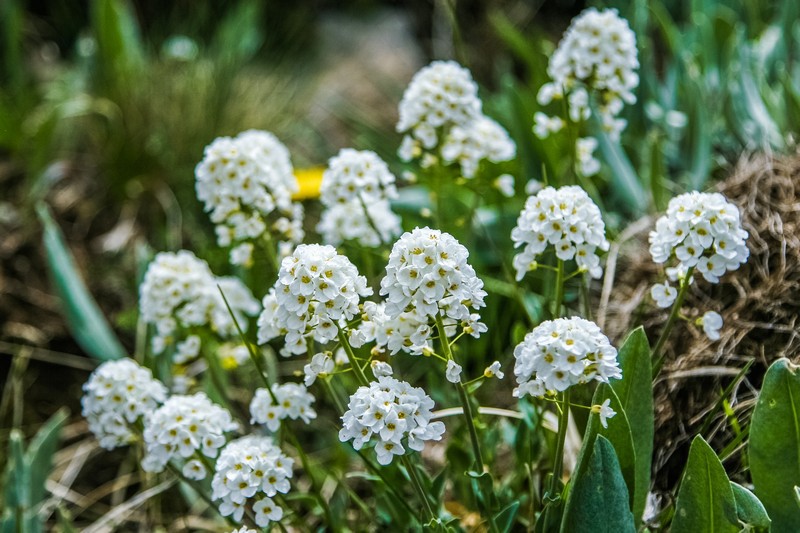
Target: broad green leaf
[84,318]
[599,498]
[749,509]
[17,489]
[635,392]
[505,518]
[705,500]
[39,455]
[774,448]
[119,44]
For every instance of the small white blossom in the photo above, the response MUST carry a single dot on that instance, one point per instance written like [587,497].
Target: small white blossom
[563,352]
[354,175]
[587,164]
[712,323]
[183,426]
[604,411]
[544,125]
[293,401]
[664,294]
[505,184]
[493,371]
[469,144]
[391,413]
[194,469]
[320,366]
[117,395]
[381,369]
[343,222]
[565,219]
[453,372]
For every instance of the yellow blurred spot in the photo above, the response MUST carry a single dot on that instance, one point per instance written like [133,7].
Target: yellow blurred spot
[309,179]
[228,362]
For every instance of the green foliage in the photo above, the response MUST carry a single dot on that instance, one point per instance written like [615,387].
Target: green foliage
[599,497]
[84,317]
[706,501]
[774,447]
[749,509]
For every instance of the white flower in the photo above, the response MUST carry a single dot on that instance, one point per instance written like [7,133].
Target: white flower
[354,175]
[194,469]
[117,395]
[563,352]
[320,366]
[532,187]
[544,125]
[565,219]
[381,369]
[587,164]
[391,413]
[349,222]
[246,184]
[404,332]
[183,426]
[702,231]
[505,184]
[251,469]
[428,275]
[292,400]
[480,139]
[316,294]
[712,323]
[604,411]
[493,371]
[453,372]
[664,294]
[442,94]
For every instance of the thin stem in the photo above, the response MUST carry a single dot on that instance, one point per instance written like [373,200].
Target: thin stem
[558,459]
[362,379]
[177,471]
[658,358]
[559,289]
[370,221]
[412,473]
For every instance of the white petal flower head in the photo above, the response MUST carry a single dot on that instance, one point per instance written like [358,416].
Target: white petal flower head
[182,426]
[251,469]
[317,292]
[493,371]
[291,400]
[453,372]
[350,222]
[481,139]
[245,183]
[427,275]
[566,219]
[381,368]
[117,395]
[320,366]
[561,353]
[604,411]
[505,184]
[354,175]
[392,414]
[703,231]
[712,323]
[664,294]
[443,94]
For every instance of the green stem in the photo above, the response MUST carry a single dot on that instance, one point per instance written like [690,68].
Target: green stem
[362,379]
[200,492]
[412,473]
[559,289]
[558,459]
[658,357]
[370,221]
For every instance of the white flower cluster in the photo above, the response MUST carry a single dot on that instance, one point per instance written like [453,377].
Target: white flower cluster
[428,275]
[293,401]
[704,232]
[481,139]
[393,412]
[565,218]
[182,426]
[560,353]
[246,183]
[321,366]
[441,106]
[179,294]
[597,54]
[348,222]
[118,394]
[317,292]
[251,469]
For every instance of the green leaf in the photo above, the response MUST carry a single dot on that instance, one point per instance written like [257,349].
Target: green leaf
[774,448]
[85,320]
[625,181]
[17,489]
[505,518]
[749,509]
[705,500]
[39,455]
[119,44]
[599,498]
[635,392]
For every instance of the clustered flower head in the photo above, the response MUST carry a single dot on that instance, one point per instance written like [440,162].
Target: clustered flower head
[441,107]
[291,400]
[180,294]
[406,331]
[253,470]
[116,396]
[428,275]
[350,222]
[566,219]
[183,426]
[246,183]
[393,414]
[560,353]
[317,292]
[353,175]
[703,231]
[596,55]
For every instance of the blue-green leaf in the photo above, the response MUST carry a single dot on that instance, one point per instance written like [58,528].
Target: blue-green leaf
[749,509]
[705,500]
[774,449]
[84,318]
[623,177]
[39,455]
